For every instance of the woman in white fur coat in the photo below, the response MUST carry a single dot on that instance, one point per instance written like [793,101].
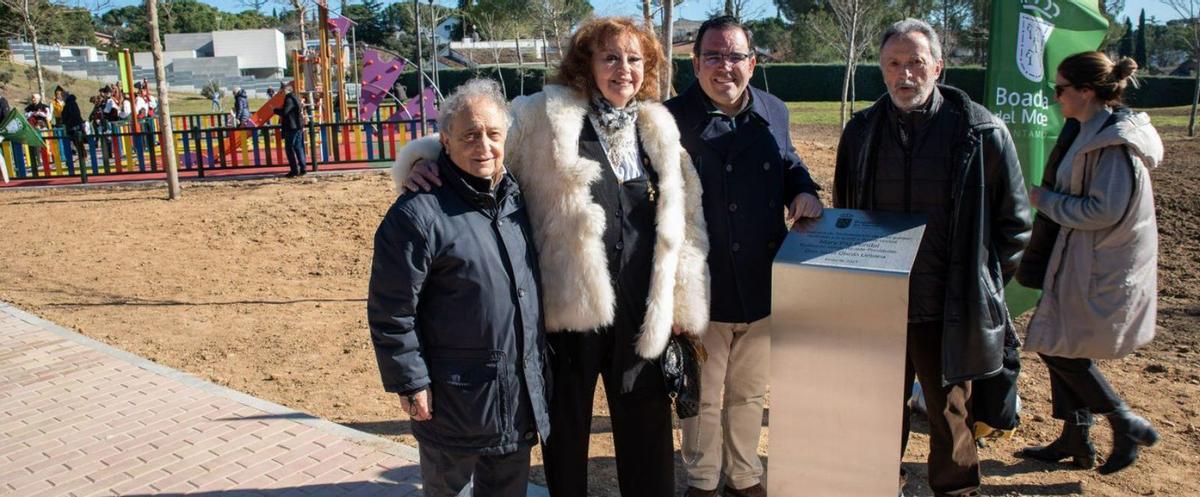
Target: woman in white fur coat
[615,207]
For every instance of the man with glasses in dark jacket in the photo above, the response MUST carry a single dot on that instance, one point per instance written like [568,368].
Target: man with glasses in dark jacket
[455,312]
[929,149]
[737,136]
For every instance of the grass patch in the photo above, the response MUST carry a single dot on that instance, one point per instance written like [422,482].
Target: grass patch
[820,113]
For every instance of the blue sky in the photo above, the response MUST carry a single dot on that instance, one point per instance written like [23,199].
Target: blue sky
[697,9]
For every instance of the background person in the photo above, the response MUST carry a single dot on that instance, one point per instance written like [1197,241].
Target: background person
[291,120]
[37,112]
[56,104]
[241,107]
[72,121]
[1100,288]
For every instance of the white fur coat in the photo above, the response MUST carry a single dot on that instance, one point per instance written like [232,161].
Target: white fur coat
[542,153]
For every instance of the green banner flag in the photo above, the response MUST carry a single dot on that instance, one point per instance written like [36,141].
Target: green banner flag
[1028,39]
[15,128]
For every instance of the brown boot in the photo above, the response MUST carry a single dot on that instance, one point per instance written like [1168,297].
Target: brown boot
[698,492]
[755,490]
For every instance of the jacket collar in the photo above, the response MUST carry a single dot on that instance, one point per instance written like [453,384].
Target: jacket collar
[488,202]
[706,111]
[1132,130]
[710,127]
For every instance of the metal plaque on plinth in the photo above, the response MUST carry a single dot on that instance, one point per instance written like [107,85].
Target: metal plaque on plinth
[839,321]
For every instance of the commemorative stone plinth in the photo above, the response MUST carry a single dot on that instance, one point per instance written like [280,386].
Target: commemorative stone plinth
[839,320]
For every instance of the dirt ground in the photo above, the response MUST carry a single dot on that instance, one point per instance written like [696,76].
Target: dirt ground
[259,285]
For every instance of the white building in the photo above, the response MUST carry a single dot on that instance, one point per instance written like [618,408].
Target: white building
[250,52]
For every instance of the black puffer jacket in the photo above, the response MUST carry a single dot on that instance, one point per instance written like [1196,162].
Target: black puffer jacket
[990,226]
[454,307]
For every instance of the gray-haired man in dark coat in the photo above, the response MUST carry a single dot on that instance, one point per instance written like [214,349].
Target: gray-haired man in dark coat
[929,149]
[455,313]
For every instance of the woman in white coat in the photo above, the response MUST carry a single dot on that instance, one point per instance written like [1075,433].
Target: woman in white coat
[614,203]
[1099,289]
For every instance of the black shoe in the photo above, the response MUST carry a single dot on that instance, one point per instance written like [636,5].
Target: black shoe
[290,175]
[303,172]
[1130,433]
[1073,443]
[700,492]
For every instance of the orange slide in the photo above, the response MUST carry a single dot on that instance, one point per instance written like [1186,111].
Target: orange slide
[259,118]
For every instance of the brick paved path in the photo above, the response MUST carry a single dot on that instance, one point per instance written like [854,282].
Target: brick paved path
[78,417]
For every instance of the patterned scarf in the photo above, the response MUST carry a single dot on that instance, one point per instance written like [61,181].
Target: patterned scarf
[615,127]
[612,119]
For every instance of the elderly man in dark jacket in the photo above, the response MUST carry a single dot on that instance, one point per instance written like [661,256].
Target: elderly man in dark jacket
[738,139]
[455,313]
[929,149]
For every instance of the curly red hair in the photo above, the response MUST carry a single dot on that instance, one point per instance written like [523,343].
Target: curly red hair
[575,70]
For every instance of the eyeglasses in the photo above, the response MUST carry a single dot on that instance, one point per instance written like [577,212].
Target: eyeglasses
[1059,89]
[714,59]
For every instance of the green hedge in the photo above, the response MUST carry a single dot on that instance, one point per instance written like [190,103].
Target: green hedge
[823,82]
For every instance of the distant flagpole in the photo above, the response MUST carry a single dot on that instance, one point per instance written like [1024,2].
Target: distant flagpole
[1028,39]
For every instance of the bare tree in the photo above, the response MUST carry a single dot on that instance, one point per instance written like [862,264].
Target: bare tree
[164,103]
[32,15]
[1188,11]
[856,22]
[255,5]
[491,27]
[301,13]
[668,31]
[950,19]
[648,13]
[742,10]
[551,13]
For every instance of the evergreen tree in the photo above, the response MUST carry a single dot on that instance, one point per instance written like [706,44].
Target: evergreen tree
[1125,48]
[1140,50]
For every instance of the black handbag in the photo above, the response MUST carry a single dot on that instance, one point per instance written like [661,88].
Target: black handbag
[681,370]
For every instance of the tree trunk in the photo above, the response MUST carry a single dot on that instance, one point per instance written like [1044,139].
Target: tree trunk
[298,5]
[420,70]
[1195,99]
[37,56]
[668,29]
[847,75]
[648,14]
[167,140]
[499,73]
[520,66]
[728,7]
[557,37]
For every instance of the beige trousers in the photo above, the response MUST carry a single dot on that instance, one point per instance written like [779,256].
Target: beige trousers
[733,385]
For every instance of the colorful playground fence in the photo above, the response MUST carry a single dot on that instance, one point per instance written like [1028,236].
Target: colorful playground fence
[120,150]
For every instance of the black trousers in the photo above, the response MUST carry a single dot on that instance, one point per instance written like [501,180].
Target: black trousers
[445,474]
[953,459]
[641,420]
[1078,390]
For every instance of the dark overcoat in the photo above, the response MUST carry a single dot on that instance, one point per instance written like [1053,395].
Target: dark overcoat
[454,306]
[750,173]
[990,225]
